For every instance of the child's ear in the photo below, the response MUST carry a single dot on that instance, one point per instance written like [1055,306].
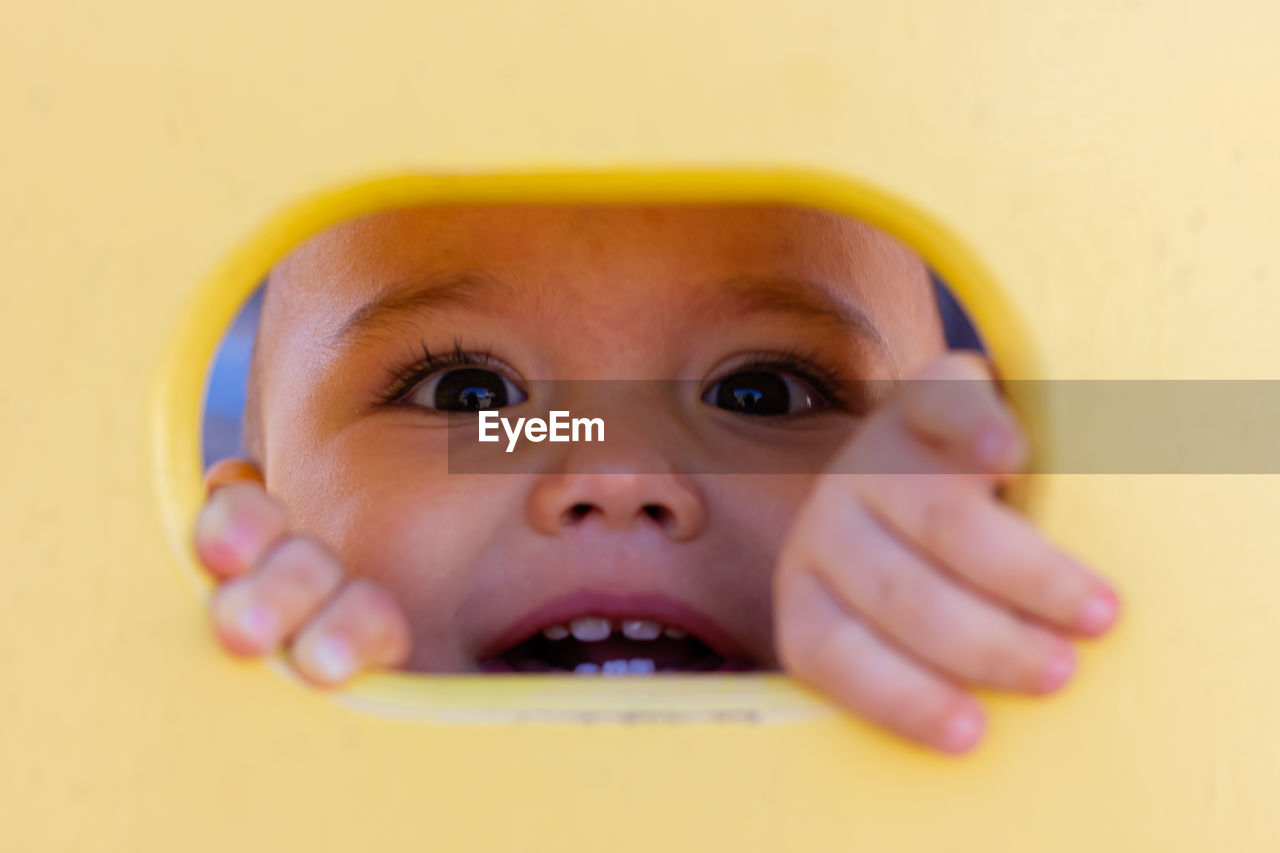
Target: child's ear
[224,472]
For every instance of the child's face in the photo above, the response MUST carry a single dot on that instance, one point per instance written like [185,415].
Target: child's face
[749,296]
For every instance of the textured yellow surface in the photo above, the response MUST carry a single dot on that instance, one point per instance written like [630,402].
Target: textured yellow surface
[1111,166]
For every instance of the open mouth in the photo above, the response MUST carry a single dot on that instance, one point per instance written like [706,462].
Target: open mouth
[598,645]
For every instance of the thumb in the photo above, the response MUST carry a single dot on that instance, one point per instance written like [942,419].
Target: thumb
[954,402]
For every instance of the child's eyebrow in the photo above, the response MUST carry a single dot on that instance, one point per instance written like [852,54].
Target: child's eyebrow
[809,301]
[411,297]
[813,302]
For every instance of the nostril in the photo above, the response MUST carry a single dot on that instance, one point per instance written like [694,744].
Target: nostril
[579,512]
[658,513]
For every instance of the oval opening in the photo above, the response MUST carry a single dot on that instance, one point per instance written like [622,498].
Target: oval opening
[627,218]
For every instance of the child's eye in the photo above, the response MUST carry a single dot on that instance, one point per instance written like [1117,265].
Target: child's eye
[764,393]
[466,389]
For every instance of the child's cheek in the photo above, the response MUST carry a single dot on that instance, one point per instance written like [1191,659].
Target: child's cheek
[425,542]
[766,505]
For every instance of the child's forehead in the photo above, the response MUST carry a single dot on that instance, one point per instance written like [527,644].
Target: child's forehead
[360,257]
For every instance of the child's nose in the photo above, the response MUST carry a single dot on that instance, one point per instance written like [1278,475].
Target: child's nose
[620,495]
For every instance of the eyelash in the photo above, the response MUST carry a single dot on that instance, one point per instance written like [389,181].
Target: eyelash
[406,376]
[803,365]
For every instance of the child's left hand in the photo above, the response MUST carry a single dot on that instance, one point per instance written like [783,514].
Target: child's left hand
[906,580]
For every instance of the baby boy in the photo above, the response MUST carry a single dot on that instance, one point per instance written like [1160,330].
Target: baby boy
[788,500]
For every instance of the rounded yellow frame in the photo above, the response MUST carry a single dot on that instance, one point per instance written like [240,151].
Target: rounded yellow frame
[176,410]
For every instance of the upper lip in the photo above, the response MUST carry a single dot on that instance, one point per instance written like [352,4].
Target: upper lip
[563,609]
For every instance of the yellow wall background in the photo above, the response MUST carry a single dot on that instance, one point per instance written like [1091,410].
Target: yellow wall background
[1113,166]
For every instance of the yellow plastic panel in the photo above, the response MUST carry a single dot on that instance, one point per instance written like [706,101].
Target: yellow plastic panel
[1098,179]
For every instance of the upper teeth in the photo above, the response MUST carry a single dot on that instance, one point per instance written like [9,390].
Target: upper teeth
[590,629]
[593,629]
[641,629]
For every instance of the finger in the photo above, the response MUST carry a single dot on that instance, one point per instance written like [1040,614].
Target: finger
[224,472]
[926,613]
[991,547]
[886,444]
[362,628]
[955,404]
[235,528]
[256,613]
[823,644]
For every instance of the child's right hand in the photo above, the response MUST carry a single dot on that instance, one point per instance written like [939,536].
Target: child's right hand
[280,589]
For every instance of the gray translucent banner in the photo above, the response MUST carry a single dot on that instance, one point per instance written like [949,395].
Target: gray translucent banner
[687,427]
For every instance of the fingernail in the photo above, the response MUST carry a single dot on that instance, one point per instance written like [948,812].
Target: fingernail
[1060,669]
[1098,613]
[258,624]
[996,446]
[333,659]
[963,731]
[211,525]
[242,537]
[221,538]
